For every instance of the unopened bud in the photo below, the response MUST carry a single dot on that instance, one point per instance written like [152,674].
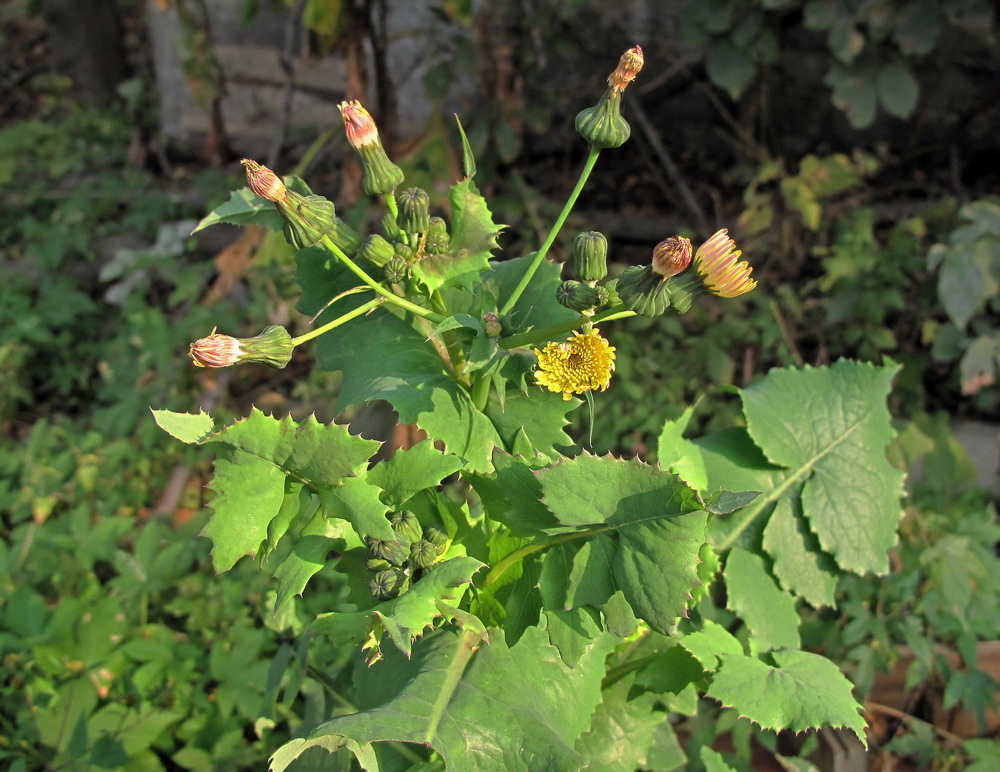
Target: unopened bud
[589,259]
[376,250]
[414,211]
[643,291]
[491,323]
[390,228]
[671,256]
[264,182]
[406,526]
[272,347]
[423,554]
[437,537]
[307,218]
[396,269]
[606,295]
[438,241]
[380,175]
[389,584]
[576,295]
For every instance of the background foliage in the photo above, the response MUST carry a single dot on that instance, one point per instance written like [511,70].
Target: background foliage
[855,143]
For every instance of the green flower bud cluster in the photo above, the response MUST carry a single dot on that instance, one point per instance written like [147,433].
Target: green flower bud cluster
[589,262]
[399,562]
[405,239]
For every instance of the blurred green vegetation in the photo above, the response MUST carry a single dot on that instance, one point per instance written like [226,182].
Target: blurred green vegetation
[120,650]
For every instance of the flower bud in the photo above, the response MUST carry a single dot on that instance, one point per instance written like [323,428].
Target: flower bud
[403,251]
[396,269]
[414,211]
[406,526]
[437,537]
[380,175]
[671,256]
[389,584]
[643,291]
[607,295]
[307,218]
[272,347]
[395,551]
[390,228]
[376,250]
[602,125]
[438,241]
[423,554]
[576,295]
[589,259]
[491,323]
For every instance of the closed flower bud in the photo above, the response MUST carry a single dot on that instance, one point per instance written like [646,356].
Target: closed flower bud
[376,250]
[438,241]
[389,584]
[414,211]
[396,269]
[272,347]
[607,295]
[602,125]
[589,259]
[406,526]
[390,228]
[643,291]
[403,251]
[671,256]
[380,175]
[491,323]
[395,551]
[437,537]
[576,295]
[307,218]
[423,554]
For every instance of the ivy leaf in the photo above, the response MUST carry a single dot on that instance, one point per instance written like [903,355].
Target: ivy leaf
[410,374]
[768,612]
[411,470]
[829,426]
[654,518]
[447,689]
[403,618]
[473,237]
[804,691]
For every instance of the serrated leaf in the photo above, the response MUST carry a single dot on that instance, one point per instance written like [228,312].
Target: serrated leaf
[406,617]
[710,643]
[713,760]
[800,567]
[680,456]
[410,374]
[360,503]
[411,470]
[249,493]
[306,559]
[243,207]
[621,731]
[768,612]
[448,690]
[473,238]
[511,496]
[535,307]
[804,691]
[653,515]
[539,421]
[829,426]
[191,428]
[468,158]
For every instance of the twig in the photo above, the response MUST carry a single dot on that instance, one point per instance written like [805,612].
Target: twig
[906,718]
[660,151]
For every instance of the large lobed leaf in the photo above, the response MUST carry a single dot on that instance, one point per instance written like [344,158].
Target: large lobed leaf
[460,701]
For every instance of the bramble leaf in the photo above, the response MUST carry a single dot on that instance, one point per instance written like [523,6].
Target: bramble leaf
[442,696]
[804,691]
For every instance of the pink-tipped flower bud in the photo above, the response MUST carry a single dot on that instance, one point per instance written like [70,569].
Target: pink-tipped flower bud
[264,182]
[671,256]
[603,125]
[272,347]
[358,125]
[380,175]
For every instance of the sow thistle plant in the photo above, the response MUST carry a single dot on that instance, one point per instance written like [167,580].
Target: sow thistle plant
[517,598]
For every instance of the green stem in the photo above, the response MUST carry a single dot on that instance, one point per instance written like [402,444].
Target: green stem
[390,201]
[750,513]
[359,311]
[391,297]
[480,393]
[588,167]
[544,334]
[520,554]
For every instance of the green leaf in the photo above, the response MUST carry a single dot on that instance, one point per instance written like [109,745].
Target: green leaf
[729,68]
[473,238]
[468,158]
[359,503]
[804,691]
[854,93]
[710,643]
[411,470]
[511,496]
[448,691]
[654,517]
[535,307]
[970,276]
[410,374]
[680,456]
[244,207]
[713,760]
[768,612]
[829,426]
[191,428]
[622,731]
[309,556]
[249,492]
[897,89]
[539,418]
[918,27]
[798,564]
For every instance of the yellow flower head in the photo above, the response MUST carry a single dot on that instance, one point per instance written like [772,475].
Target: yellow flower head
[582,363]
[717,262]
